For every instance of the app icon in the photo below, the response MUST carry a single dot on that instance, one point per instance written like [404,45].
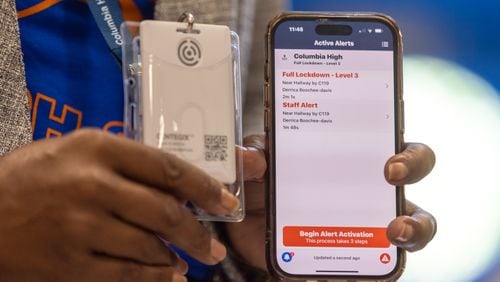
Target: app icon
[287,256]
[385,258]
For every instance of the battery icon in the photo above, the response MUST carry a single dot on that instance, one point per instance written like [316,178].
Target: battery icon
[378,30]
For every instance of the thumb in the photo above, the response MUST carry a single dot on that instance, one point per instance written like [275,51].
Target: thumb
[254,161]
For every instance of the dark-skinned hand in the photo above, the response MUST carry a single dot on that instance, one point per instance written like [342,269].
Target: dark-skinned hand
[411,231]
[91,206]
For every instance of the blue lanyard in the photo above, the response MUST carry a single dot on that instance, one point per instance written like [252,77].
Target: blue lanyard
[108,16]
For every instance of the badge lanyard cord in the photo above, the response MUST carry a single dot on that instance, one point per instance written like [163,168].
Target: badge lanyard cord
[108,17]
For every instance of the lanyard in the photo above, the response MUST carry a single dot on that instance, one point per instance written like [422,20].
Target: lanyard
[108,16]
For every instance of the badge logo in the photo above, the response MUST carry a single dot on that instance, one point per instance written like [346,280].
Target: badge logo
[189,52]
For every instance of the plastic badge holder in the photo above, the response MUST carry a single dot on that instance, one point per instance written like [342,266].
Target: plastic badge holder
[177,107]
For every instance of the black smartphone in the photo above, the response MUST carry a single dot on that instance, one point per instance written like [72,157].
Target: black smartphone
[333,117]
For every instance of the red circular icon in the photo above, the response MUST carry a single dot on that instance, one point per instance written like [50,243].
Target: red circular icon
[385,258]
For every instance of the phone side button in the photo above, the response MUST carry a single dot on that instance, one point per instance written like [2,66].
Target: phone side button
[266,94]
[266,74]
[402,118]
[266,120]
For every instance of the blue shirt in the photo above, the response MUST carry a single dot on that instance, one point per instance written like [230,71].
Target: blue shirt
[73,80]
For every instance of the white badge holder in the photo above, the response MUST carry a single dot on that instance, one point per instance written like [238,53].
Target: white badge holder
[183,96]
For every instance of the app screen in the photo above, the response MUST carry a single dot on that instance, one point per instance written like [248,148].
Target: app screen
[334,121]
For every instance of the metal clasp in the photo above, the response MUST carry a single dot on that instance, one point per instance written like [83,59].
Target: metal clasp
[189,18]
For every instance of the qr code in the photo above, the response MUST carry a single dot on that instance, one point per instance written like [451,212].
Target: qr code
[215,147]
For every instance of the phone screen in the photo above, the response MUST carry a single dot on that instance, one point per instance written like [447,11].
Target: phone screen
[335,123]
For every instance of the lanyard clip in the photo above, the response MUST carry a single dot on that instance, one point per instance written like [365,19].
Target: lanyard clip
[189,18]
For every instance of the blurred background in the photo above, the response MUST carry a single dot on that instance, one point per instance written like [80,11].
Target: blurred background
[452,103]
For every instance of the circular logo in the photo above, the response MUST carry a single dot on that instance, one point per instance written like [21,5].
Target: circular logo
[287,256]
[189,52]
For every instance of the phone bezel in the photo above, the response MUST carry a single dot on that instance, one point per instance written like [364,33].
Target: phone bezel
[270,133]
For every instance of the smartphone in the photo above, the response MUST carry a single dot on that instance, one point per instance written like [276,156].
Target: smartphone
[333,117]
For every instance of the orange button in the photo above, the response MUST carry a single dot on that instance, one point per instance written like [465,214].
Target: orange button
[341,237]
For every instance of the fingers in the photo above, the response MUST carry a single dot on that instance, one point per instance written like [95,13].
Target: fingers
[110,269]
[121,240]
[417,227]
[413,230]
[254,161]
[411,165]
[162,214]
[161,170]
[255,141]
[254,164]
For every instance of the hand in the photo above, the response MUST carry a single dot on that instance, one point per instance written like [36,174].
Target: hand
[90,207]
[411,231]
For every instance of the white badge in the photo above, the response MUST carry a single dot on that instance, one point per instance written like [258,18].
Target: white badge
[188,94]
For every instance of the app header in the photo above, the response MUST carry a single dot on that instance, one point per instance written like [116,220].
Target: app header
[301,34]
